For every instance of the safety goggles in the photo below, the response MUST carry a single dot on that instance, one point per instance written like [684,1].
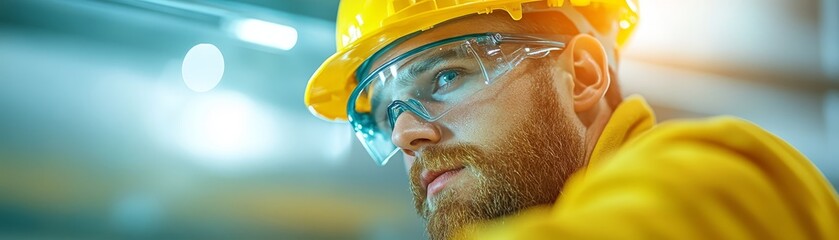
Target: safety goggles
[429,81]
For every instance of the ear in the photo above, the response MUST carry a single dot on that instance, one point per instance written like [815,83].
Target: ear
[590,71]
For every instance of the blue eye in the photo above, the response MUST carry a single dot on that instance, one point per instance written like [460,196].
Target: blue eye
[445,79]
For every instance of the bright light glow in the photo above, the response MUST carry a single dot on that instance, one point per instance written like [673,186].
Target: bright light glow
[691,33]
[624,24]
[227,130]
[265,33]
[359,20]
[382,77]
[203,67]
[393,72]
[632,6]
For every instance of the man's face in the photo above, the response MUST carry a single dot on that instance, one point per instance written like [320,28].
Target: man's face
[508,148]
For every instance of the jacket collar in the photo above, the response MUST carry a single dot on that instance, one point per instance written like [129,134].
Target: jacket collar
[631,118]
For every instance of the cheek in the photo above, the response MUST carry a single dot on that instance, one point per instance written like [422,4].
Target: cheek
[491,116]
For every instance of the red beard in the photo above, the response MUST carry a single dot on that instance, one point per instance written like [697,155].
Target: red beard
[527,169]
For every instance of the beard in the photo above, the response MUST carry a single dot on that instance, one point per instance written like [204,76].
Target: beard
[527,168]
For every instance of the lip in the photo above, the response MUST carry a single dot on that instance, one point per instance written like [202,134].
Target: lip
[435,181]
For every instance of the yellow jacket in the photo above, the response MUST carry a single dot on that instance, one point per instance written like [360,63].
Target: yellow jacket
[720,178]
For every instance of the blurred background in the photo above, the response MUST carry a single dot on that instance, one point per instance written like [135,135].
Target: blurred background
[110,129]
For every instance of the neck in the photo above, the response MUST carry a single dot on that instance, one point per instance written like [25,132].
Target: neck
[594,128]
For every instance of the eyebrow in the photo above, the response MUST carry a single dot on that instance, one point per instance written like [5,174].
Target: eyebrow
[432,61]
[416,68]
[424,65]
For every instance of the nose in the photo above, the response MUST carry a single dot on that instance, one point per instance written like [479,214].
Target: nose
[411,133]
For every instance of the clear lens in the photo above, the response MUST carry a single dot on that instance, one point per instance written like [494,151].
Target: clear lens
[428,81]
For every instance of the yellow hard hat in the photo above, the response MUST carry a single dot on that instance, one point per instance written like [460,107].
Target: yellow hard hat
[366,26]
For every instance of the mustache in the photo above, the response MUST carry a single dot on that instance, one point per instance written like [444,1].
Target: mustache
[437,157]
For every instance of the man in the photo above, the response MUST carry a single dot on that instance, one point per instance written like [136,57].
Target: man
[512,126]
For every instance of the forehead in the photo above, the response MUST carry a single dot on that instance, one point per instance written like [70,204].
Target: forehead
[498,21]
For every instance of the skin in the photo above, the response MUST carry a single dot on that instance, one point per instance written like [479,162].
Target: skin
[516,142]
